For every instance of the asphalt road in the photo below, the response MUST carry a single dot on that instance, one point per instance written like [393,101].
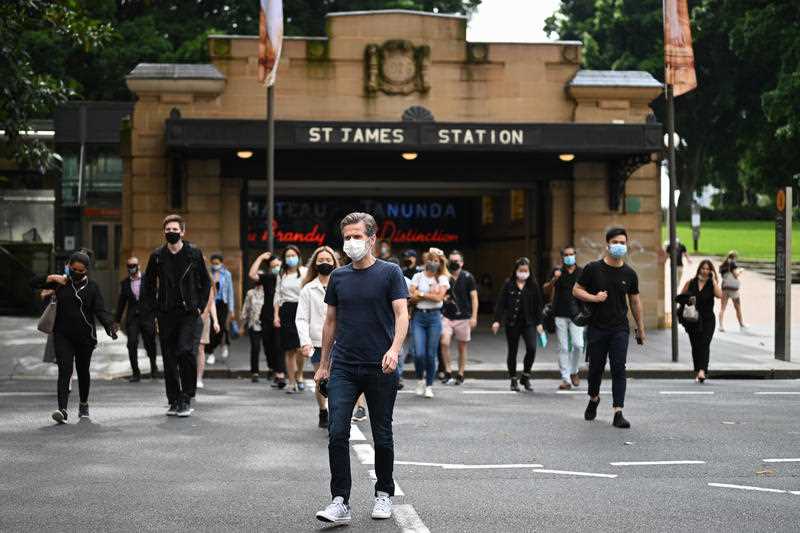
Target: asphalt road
[252,458]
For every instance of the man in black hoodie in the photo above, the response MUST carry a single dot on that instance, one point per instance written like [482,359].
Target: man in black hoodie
[176,286]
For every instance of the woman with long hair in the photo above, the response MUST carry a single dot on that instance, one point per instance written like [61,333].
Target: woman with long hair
[311,310]
[210,321]
[428,289]
[287,295]
[729,271]
[702,289]
[519,309]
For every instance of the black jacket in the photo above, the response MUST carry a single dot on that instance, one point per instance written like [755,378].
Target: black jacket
[77,307]
[194,284]
[531,304]
[136,308]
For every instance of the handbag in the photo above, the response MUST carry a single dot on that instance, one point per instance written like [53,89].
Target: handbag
[583,316]
[47,321]
[548,319]
[690,314]
[730,283]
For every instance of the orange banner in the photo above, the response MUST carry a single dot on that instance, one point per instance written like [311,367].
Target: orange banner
[270,39]
[678,53]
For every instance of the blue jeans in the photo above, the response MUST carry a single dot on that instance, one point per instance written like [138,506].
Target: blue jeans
[427,331]
[345,385]
[611,344]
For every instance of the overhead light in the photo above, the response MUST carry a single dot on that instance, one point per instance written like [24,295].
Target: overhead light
[566,157]
[409,156]
[244,154]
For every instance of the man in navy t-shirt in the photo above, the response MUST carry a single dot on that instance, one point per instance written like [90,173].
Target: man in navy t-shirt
[366,322]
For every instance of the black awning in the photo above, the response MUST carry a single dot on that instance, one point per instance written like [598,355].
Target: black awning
[601,140]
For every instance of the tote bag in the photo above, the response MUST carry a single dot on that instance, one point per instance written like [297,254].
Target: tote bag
[48,319]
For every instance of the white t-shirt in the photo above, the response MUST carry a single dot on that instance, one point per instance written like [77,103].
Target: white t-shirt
[425,283]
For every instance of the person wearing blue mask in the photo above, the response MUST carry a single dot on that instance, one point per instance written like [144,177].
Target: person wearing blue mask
[608,285]
[287,296]
[225,304]
[565,308]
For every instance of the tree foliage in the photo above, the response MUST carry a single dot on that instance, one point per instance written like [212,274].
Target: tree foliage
[742,124]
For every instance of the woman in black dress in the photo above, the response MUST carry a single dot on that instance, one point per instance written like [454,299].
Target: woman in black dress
[287,294]
[703,288]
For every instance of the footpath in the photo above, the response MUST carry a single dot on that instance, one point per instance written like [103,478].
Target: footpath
[733,353]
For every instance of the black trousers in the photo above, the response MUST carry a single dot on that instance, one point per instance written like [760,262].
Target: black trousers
[700,339]
[69,352]
[255,349]
[180,332]
[146,327]
[271,340]
[611,344]
[528,334]
[218,338]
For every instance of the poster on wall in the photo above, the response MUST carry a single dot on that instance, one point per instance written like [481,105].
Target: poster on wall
[405,222]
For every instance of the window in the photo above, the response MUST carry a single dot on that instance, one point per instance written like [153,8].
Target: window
[100,241]
[177,184]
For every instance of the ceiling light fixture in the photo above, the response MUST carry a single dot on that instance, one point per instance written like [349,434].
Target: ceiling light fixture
[409,156]
[244,154]
[566,157]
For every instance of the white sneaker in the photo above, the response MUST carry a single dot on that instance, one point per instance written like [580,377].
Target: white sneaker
[210,360]
[429,392]
[224,351]
[744,328]
[383,506]
[337,512]
[420,388]
[200,384]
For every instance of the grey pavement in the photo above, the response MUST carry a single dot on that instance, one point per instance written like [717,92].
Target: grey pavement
[251,458]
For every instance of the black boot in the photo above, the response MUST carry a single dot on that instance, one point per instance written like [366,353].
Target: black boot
[526,381]
[514,386]
[135,377]
[591,409]
[323,418]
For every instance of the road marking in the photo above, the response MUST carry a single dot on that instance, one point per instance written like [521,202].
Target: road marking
[778,393]
[355,433]
[409,521]
[688,392]
[488,392]
[417,463]
[487,467]
[365,453]
[747,487]
[579,392]
[782,460]
[26,394]
[647,463]
[571,473]
[397,490]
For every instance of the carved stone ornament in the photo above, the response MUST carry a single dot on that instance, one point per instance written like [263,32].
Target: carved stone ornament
[619,172]
[397,67]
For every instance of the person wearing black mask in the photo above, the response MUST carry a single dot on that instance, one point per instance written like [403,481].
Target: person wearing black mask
[79,301]
[138,321]
[410,266]
[176,285]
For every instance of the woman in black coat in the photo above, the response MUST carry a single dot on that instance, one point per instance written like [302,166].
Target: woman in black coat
[701,290]
[79,301]
[519,309]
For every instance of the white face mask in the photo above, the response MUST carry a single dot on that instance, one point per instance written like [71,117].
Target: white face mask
[356,249]
[522,276]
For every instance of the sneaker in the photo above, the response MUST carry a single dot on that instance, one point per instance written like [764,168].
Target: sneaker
[184,408]
[721,328]
[173,409]
[420,390]
[224,351]
[323,419]
[291,389]
[576,381]
[564,386]
[154,374]
[60,416]
[619,421]
[514,386]
[449,381]
[429,392]
[459,379]
[744,328]
[360,414]
[254,378]
[210,360]
[336,513]
[526,382]
[301,386]
[200,384]
[400,384]
[383,506]
[83,410]
[135,378]
[591,409]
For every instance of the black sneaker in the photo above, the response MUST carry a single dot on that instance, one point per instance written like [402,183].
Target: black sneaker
[135,378]
[60,416]
[620,422]
[281,384]
[154,374]
[173,409]
[526,382]
[514,386]
[254,378]
[83,410]
[184,408]
[323,419]
[591,409]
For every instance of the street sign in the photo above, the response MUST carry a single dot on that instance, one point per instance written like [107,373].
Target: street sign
[783,274]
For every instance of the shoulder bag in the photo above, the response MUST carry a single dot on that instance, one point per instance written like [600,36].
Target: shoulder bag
[48,319]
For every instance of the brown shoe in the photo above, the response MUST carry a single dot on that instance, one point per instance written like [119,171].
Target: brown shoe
[575,380]
[564,386]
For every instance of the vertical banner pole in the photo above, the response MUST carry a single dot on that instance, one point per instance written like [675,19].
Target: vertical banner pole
[783,274]
[673,259]
[271,168]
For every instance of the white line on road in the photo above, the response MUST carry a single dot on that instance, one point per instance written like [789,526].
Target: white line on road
[580,392]
[797,460]
[647,463]
[26,394]
[417,463]
[397,490]
[778,393]
[688,392]
[747,487]
[488,392]
[365,453]
[355,433]
[487,467]
[409,521]
[571,473]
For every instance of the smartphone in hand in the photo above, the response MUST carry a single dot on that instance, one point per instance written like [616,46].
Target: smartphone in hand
[323,387]
[638,337]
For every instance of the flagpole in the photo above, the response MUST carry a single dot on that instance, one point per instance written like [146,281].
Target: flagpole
[673,256]
[270,167]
